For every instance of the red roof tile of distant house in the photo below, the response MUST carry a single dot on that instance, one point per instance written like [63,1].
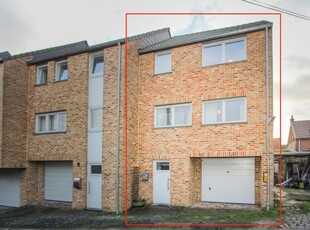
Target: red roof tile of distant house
[301,129]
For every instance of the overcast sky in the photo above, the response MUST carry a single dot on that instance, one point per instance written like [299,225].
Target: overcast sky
[27,25]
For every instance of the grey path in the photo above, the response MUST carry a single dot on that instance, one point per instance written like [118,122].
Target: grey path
[295,219]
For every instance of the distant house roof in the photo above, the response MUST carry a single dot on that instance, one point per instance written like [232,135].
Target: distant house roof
[4,55]
[301,129]
[205,36]
[44,55]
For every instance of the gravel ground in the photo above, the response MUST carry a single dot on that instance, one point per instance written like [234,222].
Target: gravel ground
[34,217]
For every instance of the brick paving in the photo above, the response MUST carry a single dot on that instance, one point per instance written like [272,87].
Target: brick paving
[295,219]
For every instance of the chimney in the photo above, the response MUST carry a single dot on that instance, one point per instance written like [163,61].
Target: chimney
[292,120]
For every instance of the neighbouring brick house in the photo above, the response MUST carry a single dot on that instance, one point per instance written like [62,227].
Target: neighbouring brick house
[299,136]
[196,109]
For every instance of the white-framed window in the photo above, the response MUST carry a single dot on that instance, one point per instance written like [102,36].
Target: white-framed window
[227,51]
[41,75]
[62,71]
[51,122]
[95,122]
[173,115]
[163,62]
[96,64]
[231,110]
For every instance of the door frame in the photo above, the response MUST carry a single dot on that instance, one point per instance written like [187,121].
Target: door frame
[89,175]
[168,182]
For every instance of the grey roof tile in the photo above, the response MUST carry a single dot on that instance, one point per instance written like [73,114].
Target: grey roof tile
[205,36]
[75,48]
[148,38]
[58,52]
[4,55]
[301,129]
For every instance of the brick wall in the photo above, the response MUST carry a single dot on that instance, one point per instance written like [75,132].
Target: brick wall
[305,145]
[189,82]
[1,107]
[14,114]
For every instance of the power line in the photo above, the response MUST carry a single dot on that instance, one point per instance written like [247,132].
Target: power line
[275,8]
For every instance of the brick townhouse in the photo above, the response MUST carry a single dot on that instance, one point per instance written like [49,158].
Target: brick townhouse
[197,122]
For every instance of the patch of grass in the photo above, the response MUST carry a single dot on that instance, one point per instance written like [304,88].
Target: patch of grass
[210,216]
[305,207]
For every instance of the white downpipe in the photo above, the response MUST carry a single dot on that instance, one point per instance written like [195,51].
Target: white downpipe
[267,120]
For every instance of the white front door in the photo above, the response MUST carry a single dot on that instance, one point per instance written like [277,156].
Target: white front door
[229,180]
[161,182]
[94,200]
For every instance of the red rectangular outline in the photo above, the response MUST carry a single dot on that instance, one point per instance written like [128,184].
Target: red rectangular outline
[126,126]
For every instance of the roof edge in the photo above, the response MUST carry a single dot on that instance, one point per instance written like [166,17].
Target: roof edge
[241,31]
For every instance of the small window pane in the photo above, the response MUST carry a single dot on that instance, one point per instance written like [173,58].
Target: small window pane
[41,123]
[182,115]
[52,123]
[97,65]
[235,110]
[163,63]
[62,121]
[62,73]
[213,55]
[213,112]
[163,117]
[96,118]
[235,51]
[95,169]
[42,75]
[162,166]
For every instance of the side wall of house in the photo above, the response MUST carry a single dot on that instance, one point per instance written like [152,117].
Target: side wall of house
[1,106]
[305,145]
[14,114]
[291,142]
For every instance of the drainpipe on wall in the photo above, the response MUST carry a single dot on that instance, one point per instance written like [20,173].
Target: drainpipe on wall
[117,125]
[268,120]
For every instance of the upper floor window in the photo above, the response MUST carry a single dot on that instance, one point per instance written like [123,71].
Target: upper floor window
[97,64]
[224,111]
[41,75]
[173,115]
[62,70]
[51,122]
[163,62]
[224,52]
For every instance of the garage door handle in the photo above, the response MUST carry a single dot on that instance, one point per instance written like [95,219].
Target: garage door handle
[168,183]
[209,188]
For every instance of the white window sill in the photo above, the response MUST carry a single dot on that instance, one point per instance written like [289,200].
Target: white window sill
[226,123]
[50,132]
[96,75]
[225,63]
[158,74]
[172,126]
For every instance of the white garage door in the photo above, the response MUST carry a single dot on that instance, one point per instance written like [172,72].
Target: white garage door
[58,181]
[10,187]
[230,180]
